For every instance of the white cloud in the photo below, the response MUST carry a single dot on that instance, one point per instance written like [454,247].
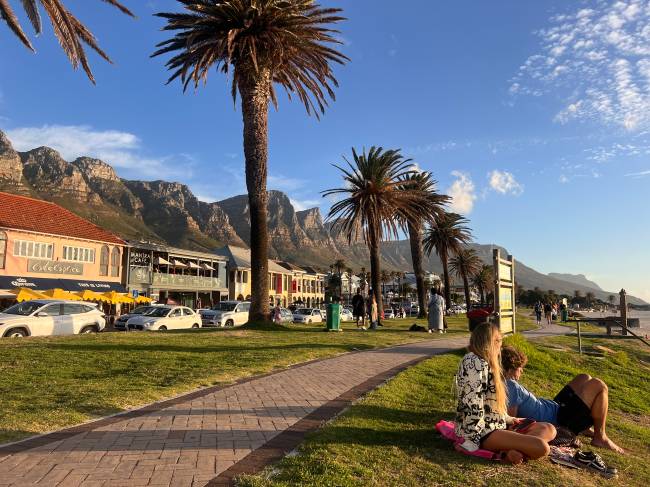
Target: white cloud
[462,193]
[598,61]
[300,205]
[284,183]
[563,179]
[504,182]
[639,174]
[122,150]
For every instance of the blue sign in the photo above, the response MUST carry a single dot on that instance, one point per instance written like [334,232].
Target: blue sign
[134,294]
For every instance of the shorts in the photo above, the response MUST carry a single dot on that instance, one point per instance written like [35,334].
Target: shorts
[573,413]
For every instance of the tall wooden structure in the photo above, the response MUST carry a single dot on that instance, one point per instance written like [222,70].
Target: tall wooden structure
[504,292]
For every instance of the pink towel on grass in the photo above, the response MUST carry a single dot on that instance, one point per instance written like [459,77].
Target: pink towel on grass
[447,430]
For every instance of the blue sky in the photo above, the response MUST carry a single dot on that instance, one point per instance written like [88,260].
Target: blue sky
[535,116]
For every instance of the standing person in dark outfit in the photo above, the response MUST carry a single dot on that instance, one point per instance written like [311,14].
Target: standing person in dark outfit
[359,309]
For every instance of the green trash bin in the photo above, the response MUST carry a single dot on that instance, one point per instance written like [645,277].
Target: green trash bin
[565,315]
[333,317]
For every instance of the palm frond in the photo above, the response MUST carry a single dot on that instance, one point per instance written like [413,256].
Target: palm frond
[69,31]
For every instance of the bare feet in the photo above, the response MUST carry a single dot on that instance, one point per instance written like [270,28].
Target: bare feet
[514,457]
[605,442]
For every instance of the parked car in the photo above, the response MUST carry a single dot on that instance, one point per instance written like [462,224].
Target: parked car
[51,317]
[120,323]
[457,309]
[308,315]
[286,316]
[346,315]
[226,313]
[389,314]
[162,318]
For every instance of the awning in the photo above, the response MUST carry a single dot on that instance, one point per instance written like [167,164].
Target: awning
[58,293]
[161,261]
[42,284]
[194,266]
[178,263]
[207,267]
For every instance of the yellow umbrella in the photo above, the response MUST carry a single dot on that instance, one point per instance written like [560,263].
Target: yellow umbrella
[88,295]
[143,300]
[116,298]
[26,294]
[61,294]
[127,299]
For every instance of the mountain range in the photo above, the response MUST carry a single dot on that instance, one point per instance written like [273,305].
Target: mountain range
[168,212]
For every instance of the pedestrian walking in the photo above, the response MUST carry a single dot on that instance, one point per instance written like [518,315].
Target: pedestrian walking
[539,308]
[277,314]
[374,316]
[359,309]
[548,313]
[436,309]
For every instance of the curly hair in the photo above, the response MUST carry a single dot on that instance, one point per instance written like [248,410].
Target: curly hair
[511,358]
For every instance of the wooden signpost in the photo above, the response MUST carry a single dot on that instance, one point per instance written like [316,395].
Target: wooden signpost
[504,292]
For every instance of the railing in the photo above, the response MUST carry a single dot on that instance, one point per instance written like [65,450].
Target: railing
[198,283]
[608,322]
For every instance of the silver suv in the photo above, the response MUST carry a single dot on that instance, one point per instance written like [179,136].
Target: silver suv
[45,317]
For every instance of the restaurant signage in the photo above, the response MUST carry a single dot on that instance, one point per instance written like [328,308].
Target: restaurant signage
[53,267]
[42,284]
[139,258]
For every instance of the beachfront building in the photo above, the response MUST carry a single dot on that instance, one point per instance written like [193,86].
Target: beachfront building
[44,246]
[176,276]
[307,286]
[239,269]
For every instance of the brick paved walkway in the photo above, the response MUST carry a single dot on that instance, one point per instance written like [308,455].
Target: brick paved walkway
[205,435]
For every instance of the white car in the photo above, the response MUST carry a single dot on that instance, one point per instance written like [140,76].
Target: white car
[226,313]
[308,315]
[45,317]
[120,323]
[389,314]
[161,318]
[346,315]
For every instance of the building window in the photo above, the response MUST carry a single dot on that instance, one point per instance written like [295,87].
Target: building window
[115,262]
[78,254]
[3,249]
[103,261]
[245,276]
[39,250]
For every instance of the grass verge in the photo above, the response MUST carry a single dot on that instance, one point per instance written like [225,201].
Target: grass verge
[389,437]
[50,383]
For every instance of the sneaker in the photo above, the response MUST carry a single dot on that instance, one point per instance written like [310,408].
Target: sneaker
[593,462]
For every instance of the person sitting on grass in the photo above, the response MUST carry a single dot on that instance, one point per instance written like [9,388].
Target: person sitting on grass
[481,414]
[582,403]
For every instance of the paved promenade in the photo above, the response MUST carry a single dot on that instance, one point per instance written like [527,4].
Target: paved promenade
[209,436]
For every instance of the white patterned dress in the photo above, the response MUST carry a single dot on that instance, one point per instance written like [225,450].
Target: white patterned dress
[476,391]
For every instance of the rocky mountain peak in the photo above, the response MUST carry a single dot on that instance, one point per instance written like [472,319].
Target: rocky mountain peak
[95,169]
[5,144]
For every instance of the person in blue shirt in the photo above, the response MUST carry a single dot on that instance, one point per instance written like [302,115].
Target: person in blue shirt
[582,403]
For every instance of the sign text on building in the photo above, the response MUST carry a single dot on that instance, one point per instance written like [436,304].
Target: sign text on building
[53,267]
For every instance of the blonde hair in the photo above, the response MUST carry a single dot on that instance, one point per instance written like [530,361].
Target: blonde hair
[482,344]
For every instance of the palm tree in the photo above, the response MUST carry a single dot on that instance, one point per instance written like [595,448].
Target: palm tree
[262,42]
[466,264]
[69,30]
[612,299]
[424,182]
[385,279]
[483,280]
[446,235]
[377,203]
[590,297]
[348,271]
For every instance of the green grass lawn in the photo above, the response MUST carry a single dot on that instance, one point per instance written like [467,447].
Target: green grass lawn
[389,437]
[50,383]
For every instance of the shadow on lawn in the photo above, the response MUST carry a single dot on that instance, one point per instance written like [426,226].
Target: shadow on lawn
[191,348]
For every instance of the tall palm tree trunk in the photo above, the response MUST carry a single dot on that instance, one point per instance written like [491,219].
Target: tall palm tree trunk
[417,256]
[468,300]
[255,91]
[445,276]
[375,270]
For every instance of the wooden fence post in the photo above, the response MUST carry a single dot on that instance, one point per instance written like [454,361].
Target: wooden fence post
[623,308]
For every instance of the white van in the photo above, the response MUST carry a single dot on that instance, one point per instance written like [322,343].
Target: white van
[226,313]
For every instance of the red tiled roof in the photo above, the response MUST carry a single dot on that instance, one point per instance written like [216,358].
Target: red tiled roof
[23,213]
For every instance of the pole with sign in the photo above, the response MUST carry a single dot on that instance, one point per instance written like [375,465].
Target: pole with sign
[504,292]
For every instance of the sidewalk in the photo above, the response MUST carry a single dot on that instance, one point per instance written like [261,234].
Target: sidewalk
[210,436]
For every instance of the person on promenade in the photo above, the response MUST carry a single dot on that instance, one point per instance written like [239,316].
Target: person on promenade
[277,313]
[359,309]
[481,414]
[548,313]
[582,403]
[373,312]
[538,312]
[436,309]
